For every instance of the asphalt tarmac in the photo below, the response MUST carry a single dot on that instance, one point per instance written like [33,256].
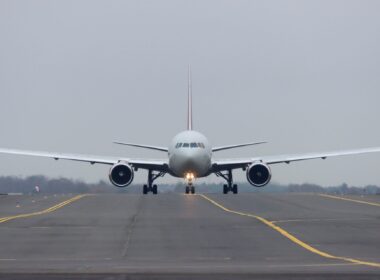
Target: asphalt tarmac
[175,236]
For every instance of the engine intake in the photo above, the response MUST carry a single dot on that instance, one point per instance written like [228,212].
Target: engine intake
[121,175]
[259,174]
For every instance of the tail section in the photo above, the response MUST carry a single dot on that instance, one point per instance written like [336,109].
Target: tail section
[189,103]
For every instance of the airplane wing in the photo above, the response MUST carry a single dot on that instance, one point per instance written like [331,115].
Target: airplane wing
[222,148]
[220,165]
[161,149]
[157,165]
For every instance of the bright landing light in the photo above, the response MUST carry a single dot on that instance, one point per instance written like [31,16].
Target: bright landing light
[189,177]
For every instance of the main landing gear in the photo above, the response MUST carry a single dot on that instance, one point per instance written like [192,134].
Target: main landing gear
[230,186]
[152,176]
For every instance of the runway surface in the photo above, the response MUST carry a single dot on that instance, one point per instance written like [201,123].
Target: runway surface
[175,236]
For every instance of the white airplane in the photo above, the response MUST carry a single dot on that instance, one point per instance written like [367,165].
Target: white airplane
[190,156]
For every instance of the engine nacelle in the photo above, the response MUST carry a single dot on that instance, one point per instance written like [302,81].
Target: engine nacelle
[259,174]
[121,175]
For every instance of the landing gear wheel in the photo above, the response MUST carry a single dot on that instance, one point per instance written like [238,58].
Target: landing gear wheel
[225,189]
[187,190]
[154,189]
[192,190]
[235,189]
[152,176]
[230,186]
[145,189]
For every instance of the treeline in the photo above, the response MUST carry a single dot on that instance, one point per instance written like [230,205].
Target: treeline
[63,185]
[46,185]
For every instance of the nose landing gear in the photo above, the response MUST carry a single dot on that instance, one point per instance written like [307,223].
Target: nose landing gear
[189,181]
[190,189]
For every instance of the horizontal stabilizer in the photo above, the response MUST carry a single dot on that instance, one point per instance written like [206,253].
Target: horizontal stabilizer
[143,146]
[236,146]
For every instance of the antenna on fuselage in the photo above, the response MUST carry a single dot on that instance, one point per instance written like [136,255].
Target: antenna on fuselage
[189,103]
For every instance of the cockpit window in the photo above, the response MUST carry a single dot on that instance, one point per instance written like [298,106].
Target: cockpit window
[190,145]
[178,145]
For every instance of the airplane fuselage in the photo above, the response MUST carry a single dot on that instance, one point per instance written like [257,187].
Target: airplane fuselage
[190,153]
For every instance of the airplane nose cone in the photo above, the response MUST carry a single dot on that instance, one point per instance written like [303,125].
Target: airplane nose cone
[187,162]
[190,160]
[190,163]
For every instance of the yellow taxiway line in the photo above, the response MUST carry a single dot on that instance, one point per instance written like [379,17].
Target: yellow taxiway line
[48,210]
[291,237]
[350,199]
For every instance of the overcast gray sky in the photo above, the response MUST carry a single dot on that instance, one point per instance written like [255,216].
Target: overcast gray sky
[304,75]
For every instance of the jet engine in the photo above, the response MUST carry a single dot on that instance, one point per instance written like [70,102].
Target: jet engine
[259,174]
[121,175]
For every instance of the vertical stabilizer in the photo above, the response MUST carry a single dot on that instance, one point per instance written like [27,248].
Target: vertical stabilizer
[189,103]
